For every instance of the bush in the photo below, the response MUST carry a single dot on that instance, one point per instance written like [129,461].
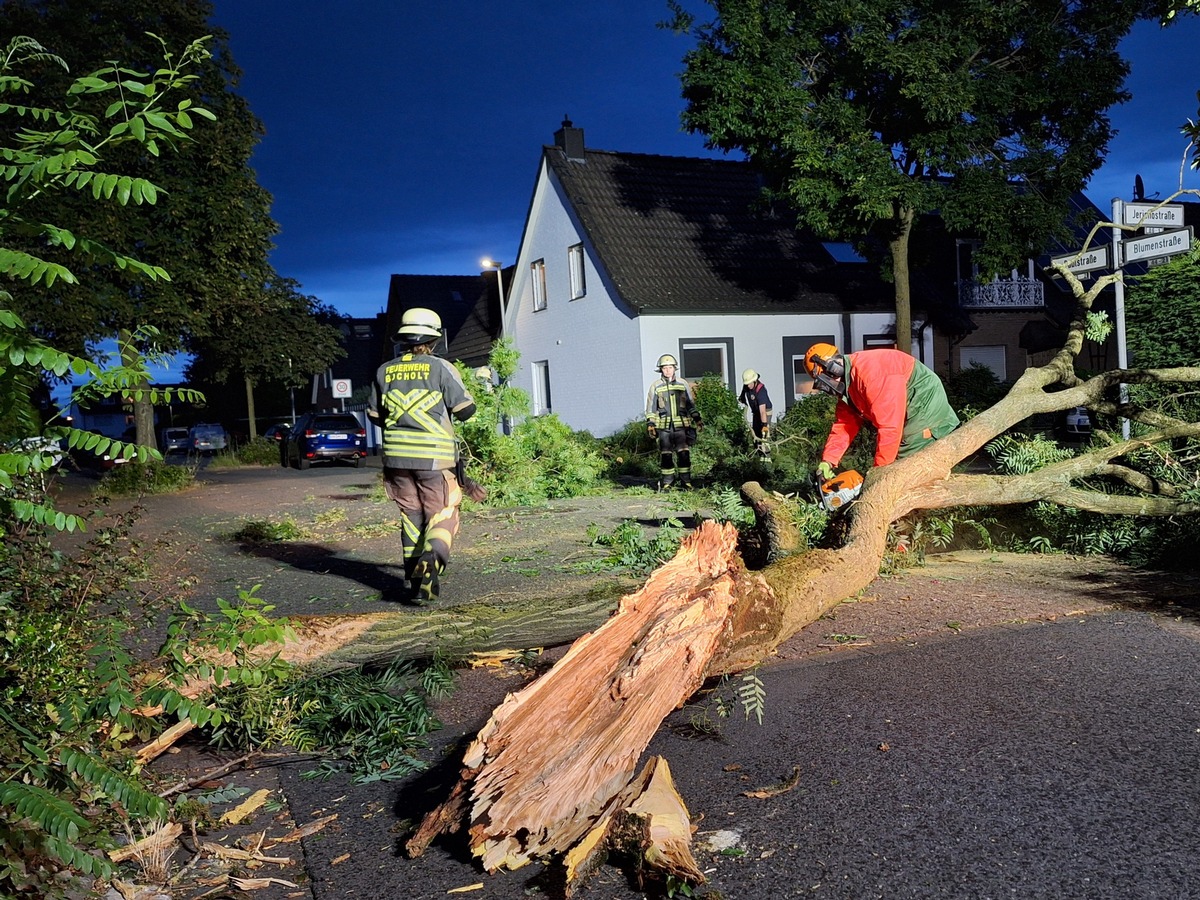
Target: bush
[133,479]
[540,459]
[259,452]
[973,389]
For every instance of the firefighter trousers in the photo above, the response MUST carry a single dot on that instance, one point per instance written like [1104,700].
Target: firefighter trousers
[428,501]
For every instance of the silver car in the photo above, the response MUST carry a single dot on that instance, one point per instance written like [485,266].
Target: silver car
[206,438]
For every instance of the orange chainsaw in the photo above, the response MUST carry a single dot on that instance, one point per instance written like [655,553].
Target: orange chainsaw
[838,491]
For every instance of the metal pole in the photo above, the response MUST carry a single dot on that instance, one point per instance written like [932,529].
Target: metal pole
[292,390]
[1118,217]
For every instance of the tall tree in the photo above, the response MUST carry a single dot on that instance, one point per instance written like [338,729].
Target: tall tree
[285,341]
[213,228]
[866,114]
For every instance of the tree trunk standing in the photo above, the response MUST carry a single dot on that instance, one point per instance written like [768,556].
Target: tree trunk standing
[250,414]
[143,408]
[899,249]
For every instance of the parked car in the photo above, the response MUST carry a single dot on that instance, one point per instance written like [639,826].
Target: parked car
[174,440]
[321,436]
[1077,424]
[206,437]
[49,449]
[91,460]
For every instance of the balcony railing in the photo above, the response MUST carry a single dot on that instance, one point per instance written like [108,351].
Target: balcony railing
[1007,293]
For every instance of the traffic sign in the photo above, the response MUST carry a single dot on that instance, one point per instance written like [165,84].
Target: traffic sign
[1167,243]
[1169,215]
[1078,263]
[341,387]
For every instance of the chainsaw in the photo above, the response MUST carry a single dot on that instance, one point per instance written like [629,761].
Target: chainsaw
[838,491]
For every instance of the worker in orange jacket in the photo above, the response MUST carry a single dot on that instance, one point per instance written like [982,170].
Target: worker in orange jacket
[902,398]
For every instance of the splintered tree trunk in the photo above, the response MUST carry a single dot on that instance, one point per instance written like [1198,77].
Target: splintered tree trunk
[530,792]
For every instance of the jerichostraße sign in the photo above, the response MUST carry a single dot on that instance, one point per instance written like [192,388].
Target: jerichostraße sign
[1168,215]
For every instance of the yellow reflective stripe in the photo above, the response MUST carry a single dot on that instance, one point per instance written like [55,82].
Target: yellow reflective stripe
[409,448]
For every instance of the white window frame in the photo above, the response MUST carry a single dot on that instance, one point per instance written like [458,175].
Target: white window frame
[723,345]
[537,274]
[575,264]
[541,388]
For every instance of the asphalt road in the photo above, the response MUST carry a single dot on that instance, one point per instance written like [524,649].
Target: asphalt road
[1040,760]
[1054,760]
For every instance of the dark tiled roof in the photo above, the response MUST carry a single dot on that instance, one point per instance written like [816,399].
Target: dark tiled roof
[464,302]
[684,235]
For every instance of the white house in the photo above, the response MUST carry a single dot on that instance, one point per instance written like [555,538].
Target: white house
[625,257]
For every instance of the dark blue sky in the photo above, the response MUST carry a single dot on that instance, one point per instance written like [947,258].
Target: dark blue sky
[405,137]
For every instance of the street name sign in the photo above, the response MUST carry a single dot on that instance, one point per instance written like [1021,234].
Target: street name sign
[1088,261]
[1169,215]
[1166,243]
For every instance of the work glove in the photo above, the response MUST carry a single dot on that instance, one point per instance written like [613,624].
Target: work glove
[824,471]
[651,430]
[766,433]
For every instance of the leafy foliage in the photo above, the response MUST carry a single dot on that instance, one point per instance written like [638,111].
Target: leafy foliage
[864,116]
[369,723]
[631,550]
[540,459]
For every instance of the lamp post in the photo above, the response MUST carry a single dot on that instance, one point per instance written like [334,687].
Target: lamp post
[488,263]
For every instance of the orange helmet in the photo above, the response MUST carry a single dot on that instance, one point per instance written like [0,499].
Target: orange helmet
[817,357]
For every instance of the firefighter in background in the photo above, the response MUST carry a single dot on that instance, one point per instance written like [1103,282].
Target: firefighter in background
[672,417]
[416,395]
[758,405]
[902,398]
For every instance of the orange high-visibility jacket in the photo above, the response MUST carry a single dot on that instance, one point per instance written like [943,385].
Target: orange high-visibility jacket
[902,398]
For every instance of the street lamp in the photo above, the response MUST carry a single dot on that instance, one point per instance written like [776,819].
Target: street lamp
[488,263]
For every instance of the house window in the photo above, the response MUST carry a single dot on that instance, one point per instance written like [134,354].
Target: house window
[990,357]
[700,357]
[794,348]
[575,259]
[541,388]
[538,271]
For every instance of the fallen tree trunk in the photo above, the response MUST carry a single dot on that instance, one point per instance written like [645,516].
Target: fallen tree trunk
[614,686]
[325,643]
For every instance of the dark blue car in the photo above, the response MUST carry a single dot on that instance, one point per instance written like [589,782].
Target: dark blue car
[322,436]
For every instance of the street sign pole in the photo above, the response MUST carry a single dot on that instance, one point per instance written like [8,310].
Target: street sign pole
[1119,299]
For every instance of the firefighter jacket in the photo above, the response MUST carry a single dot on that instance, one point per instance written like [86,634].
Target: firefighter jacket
[902,398]
[670,404]
[415,396]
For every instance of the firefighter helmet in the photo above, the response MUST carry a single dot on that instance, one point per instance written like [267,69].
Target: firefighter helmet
[666,360]
[418,325]
[749,376]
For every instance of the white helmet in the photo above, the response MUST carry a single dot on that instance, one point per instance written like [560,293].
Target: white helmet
[666,360]
[418,325]
[749,376]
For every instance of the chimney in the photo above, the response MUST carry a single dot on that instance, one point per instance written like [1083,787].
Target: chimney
[570,140]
